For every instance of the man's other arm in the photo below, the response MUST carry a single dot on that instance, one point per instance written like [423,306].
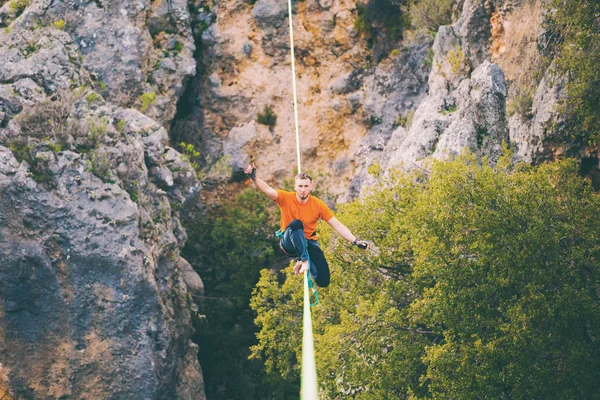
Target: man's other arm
[344,232]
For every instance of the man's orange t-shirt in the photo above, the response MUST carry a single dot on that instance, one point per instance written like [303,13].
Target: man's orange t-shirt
[308,213]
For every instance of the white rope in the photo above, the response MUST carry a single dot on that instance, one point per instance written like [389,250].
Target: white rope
[294,85]
[308,381]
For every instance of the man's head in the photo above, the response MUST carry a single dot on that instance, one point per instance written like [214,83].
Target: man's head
[303,185]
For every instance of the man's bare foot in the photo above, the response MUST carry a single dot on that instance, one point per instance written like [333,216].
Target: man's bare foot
[297,267]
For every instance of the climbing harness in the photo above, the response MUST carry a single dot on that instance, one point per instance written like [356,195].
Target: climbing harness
[311,286]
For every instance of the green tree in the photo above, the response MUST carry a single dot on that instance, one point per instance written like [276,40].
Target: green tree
[573,34]
[484,284]
[228,246]
[365,348]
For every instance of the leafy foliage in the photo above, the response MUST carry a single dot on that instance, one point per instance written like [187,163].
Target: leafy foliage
[385,15]
[190,154]
[147,100]
[267,117]
[429,15]
[484,284]
[521,104]
[17,7]
[228,248]
[456,59]
[60,24]
[573,31]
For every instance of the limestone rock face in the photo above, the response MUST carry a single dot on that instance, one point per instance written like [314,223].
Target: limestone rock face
[347,104]
[270,13]
[466,107]
[531,134]
[470,117]
[131,48]
[94,297]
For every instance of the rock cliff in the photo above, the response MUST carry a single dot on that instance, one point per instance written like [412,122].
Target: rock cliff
[358,106]
[95,301]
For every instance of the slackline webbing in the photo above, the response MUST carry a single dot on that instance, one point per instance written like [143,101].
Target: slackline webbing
[294,86]
[308,379]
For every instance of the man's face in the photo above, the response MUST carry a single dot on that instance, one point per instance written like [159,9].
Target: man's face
[303,188]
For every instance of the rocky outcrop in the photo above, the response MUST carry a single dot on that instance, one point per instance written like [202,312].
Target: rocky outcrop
[470,117]
[467,103]
[95,301]
[130,49]
[346,104]
[530,132]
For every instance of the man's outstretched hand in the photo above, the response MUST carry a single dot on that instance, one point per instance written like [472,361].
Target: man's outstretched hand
[361,244]
[251,171]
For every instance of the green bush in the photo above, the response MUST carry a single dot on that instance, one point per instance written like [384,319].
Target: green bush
[120,126]
[17,7]
[26,150]
[405,120]
[92,97]
[100,166]
[572,36]
[429,15]
[190,154]
[228,247]
[147,100]
[383,15]
[60,24]
[521,104]
[457,61]
[361,23]
[267,117]
[483,283]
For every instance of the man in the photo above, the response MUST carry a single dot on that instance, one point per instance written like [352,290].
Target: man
[300,213]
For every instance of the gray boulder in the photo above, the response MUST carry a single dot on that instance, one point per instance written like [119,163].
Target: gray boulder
[471,117]
[270,13]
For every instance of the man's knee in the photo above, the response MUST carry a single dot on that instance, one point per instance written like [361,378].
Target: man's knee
[318,258]
[322,280]
[296,224]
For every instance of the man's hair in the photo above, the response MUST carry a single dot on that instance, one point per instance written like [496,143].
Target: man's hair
[303,175]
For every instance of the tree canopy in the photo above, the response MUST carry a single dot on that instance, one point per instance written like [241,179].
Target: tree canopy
[573,34]
[228,246]
[484,284]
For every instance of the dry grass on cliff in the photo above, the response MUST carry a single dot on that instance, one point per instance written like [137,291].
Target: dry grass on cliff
[514,43]
[4,390]
[50,118]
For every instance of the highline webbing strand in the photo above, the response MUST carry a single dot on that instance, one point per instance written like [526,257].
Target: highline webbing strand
[308,380]
[294,86]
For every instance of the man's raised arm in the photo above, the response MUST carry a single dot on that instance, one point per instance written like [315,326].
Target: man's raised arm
[260,184]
